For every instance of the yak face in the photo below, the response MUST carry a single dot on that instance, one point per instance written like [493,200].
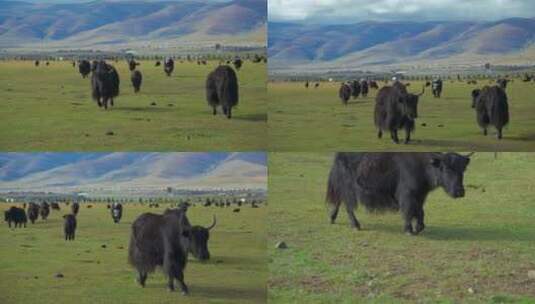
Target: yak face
[410,105]
[450,172]
[199,241]
[475,95]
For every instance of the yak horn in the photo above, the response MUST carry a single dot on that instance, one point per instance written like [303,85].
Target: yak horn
[470,154]
[213,224]
[423,91]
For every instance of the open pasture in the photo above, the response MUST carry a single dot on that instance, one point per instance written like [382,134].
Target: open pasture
[478,249]
[315,119]
[49,108]
[31,257]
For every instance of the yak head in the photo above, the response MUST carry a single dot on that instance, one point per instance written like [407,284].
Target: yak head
[475,95]
[199,241]
[450,169]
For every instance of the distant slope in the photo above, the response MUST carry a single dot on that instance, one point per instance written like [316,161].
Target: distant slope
[369,44]
[109,22]
[130,170]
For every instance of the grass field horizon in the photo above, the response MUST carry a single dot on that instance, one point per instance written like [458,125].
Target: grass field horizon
[30,258]
[49,108]
[477,249]
[316,120]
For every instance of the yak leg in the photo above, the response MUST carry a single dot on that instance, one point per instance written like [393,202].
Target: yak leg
[229,113]
[407,205]
[499,135]
[180,279]
[99,102]
[485,131]
[394,136]
[407,134]
[420,226]
[215,111]
[111,101]
[351,215]
[334,212]
[380,134]
[142,277]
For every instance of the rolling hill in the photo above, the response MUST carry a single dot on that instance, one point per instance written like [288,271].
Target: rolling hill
[374,44]
[110,23]
[69,171]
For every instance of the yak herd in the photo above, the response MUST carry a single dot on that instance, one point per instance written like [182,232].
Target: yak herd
[221,85]
[396,108]
[393,181]
[156,240]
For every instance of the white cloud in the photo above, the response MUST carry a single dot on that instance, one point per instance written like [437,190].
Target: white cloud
[351,11]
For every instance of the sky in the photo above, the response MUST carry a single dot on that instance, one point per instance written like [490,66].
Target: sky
[80,1]
[353,11]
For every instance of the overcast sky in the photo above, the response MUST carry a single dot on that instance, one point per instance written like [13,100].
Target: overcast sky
[353,11]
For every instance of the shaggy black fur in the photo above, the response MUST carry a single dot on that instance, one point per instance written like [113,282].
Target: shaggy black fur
[222,89]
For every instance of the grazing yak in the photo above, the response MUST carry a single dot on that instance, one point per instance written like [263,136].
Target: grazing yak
[393,181]
[44,210]
[161,240]
[199,241]
[396,109]
[364,88]
[116,212]
[355,89]
[158,63]
[33,212]
[69,226]
[237,63]
[104,83]
[168,66]
[54,206]
[222,89]
[491,108]
[16,215]
[317,85]
[84,67]
[307,85]
[37,63]
[132,64]
[136,79]
[75,207]
[373,84]
[344,93]
[436,87]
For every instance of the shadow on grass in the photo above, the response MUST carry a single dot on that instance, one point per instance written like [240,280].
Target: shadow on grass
[465,146]
[229,294]
[141,109]
[522,137]
[252,117]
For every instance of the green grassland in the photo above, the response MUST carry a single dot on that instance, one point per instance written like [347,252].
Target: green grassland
[30,257]
[315,120]
[477,249]
[49,108]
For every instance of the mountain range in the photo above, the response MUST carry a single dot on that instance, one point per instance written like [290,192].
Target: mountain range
[105,23]
[375,44]
[78,171]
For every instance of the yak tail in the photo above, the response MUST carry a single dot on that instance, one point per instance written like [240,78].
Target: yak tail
[333,195]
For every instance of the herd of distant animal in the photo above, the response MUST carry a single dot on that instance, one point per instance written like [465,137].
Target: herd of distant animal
[222,87]
[397,109]
[156,240]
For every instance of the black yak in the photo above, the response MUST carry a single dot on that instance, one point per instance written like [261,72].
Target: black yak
[69,226]
[116,212]
[132,64]
[161,240]
[344,93]
[16,215]
[237,63]
[54,206]
[33,212]
[104,83]
[84,67]
[75,207]
[364,88]
[136,79]
[491,108]
[373,84]
[393,181]
[355,89]
[317,85]
[44,210]
[168,66]
[158,63]
[436,87]
[396,109]
[306,85]
[502,82]
[37,63]
[199,241]
[222,89]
